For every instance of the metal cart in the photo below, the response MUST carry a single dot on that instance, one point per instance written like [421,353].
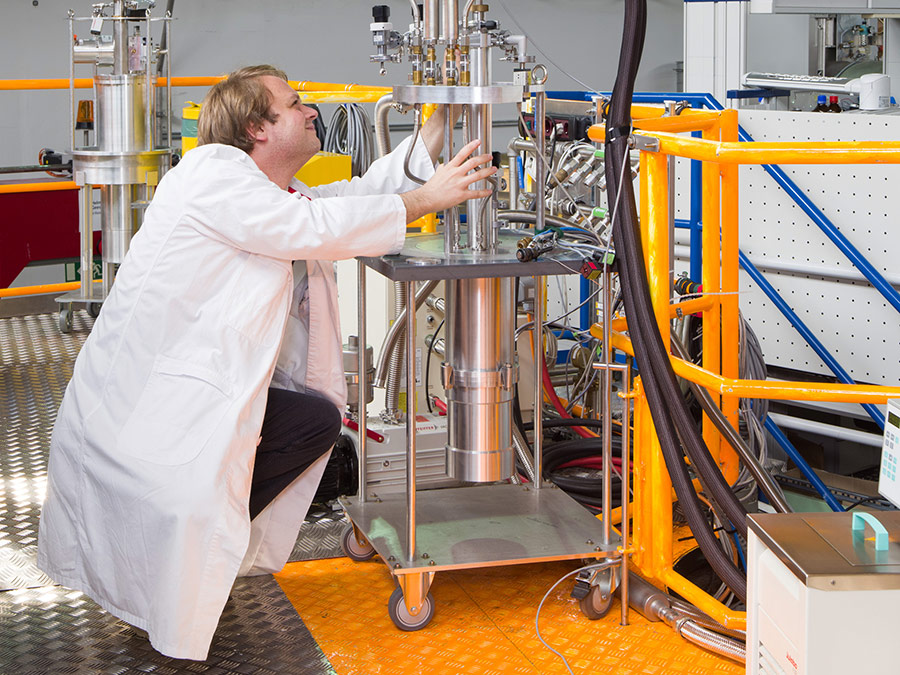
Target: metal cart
[421,533]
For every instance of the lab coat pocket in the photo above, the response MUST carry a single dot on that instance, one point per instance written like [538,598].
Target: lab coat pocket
[180,407]
[258,298]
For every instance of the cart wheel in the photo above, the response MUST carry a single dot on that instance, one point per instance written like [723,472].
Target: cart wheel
[94,309]
[351,548]
[65,320]
[401,616]
[596,604]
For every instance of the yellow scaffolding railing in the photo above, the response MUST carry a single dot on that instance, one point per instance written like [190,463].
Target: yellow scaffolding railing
[721,154]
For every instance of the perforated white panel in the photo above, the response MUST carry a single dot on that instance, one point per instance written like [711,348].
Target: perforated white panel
[850,318]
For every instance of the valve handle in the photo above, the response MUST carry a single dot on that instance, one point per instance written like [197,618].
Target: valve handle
[381,13]
[860,518]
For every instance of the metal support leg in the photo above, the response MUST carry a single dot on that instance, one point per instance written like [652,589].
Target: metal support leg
[415,589]
[361,375]
[538,333]
[411,422]
[626,490]
[607,405]
[86,199]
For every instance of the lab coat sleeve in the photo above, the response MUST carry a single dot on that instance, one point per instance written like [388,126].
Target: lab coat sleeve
[385,175]
[238,204]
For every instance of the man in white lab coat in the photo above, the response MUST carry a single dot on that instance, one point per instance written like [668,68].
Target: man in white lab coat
[153,505]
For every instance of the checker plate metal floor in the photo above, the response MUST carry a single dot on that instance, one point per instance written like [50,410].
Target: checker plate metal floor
[49,629]
[483,623]
[56,630]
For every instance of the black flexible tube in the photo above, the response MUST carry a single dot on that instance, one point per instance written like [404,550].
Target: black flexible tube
[670,415]
[765,482]
[566,422]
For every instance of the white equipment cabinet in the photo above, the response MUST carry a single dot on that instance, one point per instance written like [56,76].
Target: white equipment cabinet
[823,596]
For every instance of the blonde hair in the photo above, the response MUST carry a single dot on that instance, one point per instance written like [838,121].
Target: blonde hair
[236,105]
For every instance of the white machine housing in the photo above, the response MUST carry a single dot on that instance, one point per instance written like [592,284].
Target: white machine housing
[821,599]
[888,483]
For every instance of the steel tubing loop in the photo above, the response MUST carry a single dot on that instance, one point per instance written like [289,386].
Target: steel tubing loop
[393,334]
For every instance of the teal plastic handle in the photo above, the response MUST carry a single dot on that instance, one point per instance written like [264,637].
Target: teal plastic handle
[860,518]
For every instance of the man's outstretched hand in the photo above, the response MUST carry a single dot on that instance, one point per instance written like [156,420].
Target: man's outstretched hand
[449,185]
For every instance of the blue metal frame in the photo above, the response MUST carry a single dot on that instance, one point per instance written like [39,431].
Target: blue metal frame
[831,231]
[802,464]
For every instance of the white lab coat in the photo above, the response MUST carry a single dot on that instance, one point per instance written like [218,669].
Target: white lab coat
[153,448]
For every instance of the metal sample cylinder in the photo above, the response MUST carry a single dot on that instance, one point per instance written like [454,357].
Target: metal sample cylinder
[480,212]
[479,377]
[120,113]
[351,374]
[118,220]
[431,18]
[450,25]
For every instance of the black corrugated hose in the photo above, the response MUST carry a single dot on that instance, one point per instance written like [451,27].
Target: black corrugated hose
[674,424]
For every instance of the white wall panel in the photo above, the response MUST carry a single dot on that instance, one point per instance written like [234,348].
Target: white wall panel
[851,318]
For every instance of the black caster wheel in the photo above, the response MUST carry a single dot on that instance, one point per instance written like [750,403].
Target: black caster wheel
[401,616]
[65,320]
[93,309]
[352,548]
[596,604]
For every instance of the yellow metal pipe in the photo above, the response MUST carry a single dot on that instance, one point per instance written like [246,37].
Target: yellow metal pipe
[307,85]
[730,282]
[703,600]
[657,241]
[193,81]
[675,125]
[356,96]
[773,390]
[691,306]
[641,112]
[54,83]
[834,152]
[641,517]
[41,289]
[710,278]
[644,215]
[660,489]
[47,186]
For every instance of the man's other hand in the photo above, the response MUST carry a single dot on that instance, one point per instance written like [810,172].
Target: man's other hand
[449,185]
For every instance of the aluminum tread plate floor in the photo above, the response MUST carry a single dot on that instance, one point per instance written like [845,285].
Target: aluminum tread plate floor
[49,629]
[56,630]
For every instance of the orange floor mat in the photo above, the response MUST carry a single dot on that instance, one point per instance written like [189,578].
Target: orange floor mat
[483,624]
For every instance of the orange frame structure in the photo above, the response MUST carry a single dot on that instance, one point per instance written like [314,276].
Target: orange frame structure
[310,92]
[656,135]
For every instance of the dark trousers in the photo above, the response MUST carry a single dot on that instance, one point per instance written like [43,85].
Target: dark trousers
[297,429]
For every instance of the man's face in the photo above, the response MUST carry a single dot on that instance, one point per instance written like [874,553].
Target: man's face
[292,136]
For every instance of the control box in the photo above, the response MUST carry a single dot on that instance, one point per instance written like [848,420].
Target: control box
[888,481]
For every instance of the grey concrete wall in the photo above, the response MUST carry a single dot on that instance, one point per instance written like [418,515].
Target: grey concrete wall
[325,40]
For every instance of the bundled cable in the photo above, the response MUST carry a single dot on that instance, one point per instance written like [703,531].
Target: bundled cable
[350,132]
[672,419]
